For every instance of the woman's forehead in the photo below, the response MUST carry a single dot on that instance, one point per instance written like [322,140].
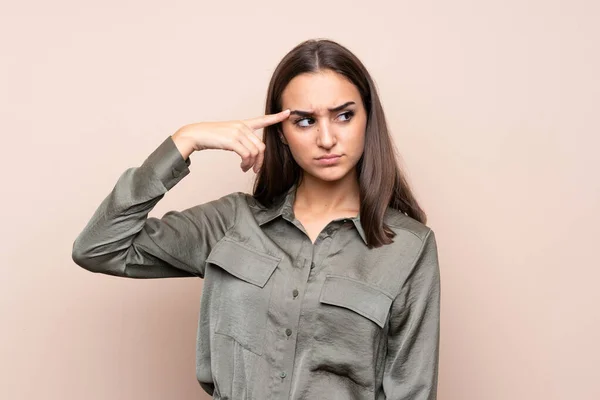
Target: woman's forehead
[318,92]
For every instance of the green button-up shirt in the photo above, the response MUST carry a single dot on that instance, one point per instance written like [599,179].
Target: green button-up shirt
[281,317]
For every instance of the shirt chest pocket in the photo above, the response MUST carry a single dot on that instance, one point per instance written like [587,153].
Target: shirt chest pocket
[349,329]
[351,312]
[245,292]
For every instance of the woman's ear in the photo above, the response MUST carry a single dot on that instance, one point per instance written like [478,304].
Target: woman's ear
[281,137]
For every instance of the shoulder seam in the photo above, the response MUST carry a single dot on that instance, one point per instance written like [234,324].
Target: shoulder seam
[409,231]
[235,212]
[417,257]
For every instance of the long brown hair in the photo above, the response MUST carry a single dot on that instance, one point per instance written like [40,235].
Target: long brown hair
[382,184]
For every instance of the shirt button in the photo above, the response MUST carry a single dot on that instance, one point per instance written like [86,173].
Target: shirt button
[282,374]
[288,331]
[295,292]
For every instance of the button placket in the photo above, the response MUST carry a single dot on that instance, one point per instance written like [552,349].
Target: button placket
[286,335]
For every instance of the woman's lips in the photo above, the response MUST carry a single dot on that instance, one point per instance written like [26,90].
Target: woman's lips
[329,160]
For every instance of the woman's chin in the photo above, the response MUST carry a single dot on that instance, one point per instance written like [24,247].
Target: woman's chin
[330,174]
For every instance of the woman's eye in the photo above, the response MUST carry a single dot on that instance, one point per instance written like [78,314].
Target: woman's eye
[348,114]
[300,120]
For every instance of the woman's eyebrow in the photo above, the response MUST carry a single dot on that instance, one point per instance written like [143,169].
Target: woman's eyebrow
[334,109]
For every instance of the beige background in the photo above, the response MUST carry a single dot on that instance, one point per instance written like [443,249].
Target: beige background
[493,105]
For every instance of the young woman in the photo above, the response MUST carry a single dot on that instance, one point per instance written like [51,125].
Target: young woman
[322,284]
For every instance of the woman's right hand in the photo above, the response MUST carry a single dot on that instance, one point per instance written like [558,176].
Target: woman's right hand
[235,136]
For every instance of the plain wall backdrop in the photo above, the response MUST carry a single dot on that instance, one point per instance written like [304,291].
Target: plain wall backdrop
[493,106]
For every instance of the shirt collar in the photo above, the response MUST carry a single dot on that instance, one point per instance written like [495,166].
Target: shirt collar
[285,209]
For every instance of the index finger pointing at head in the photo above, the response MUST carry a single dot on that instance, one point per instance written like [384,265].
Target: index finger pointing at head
[266,120]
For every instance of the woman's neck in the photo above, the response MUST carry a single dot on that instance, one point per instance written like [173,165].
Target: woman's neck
[323,197]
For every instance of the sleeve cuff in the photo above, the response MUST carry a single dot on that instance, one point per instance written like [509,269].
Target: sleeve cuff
[167,163]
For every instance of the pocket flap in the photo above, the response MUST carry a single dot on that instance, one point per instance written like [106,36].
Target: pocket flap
[357,296]
[243,262]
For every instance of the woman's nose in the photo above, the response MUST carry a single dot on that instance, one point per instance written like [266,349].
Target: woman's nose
[325,134]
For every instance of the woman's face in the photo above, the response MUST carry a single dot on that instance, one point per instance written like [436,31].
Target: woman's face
[313,131]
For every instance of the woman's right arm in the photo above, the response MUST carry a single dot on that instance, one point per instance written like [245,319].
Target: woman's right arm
[120,239]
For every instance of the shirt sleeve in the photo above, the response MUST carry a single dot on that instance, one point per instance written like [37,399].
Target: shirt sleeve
[121,240]
[411,365]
